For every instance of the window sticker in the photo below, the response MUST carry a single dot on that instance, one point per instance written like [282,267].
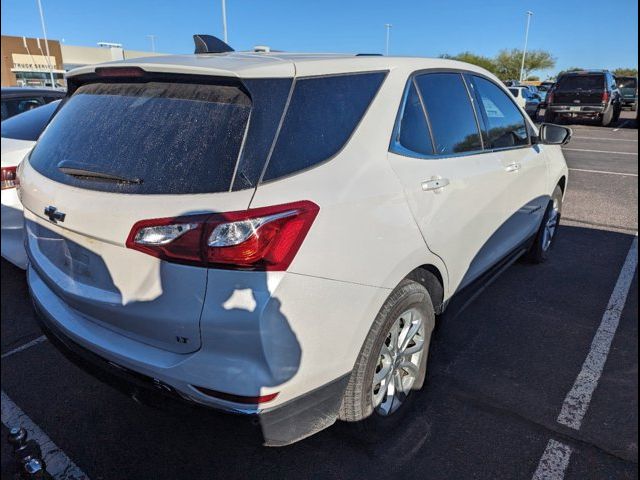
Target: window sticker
[491,108]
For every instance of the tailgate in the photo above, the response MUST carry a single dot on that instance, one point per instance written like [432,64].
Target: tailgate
[180,144]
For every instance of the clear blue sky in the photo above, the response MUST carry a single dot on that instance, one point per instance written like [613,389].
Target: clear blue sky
[582,33]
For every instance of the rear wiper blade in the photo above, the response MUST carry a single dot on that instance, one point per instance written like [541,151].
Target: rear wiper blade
[85,171]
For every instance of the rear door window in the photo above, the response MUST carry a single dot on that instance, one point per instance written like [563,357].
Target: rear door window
[453,122]
[506,126]
[323,113]
[171,138]
[29,125]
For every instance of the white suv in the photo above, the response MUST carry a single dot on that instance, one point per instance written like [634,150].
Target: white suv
[274,234]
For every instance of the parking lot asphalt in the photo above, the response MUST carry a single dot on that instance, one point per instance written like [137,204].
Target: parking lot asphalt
[499,371]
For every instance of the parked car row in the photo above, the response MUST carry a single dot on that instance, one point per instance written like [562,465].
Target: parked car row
[264,267]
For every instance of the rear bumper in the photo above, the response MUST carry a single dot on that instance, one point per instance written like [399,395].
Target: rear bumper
[280,426]
[577,109]
[292,334]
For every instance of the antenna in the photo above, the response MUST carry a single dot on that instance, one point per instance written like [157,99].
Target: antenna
[210,44]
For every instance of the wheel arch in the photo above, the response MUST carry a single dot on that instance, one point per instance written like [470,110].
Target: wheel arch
[562,183]
[430,277]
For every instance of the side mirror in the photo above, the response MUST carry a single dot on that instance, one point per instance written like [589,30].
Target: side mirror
[550,134]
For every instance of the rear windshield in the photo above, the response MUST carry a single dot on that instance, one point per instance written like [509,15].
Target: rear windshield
[583,82]
[29,125]
[627,82]
[170,137]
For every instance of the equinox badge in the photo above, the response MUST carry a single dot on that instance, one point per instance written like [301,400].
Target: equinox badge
[54,215]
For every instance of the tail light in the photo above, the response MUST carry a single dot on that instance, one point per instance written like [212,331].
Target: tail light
[9,178]
[605,97]
[265,238]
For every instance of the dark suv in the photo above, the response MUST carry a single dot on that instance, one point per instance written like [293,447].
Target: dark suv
[629,88]
[586,94]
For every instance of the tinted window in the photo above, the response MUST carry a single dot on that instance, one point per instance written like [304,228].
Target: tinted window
[15,106]
[505,124]
[453,122]
[268,100]
[627,82]
[323,113]
[413,131]
[515,92]
[29,125]
[584,82]
[176,138]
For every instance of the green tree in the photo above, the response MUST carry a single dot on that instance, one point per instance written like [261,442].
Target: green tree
[626,72]
[533,78]
[479,60]
[508,62]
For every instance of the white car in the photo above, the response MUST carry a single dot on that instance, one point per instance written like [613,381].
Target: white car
[526,99]
[273,234]
[19,135]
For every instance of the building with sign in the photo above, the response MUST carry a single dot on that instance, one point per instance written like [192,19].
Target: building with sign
[26,64]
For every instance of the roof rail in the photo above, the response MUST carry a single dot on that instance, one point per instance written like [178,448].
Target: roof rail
[368,54]
[210,44]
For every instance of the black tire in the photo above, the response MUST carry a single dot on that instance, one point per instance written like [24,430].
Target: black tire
[607,117]
[539,250]
[550,117]
[616,114]
[357,404]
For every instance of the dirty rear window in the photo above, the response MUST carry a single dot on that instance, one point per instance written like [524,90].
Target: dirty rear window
[171,138]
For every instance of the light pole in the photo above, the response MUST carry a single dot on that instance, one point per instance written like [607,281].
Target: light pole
[388,27]
[224,20]
[46,44]
[153,42]
[526,40]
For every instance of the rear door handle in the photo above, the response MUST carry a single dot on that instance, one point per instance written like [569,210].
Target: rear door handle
[513,167]
[435,184]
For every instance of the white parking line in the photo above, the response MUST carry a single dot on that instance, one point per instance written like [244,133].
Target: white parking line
[606,138]
[598,151]
[577,401]
[556,456]
[30,344]
[58,464]
[604,172]
[554,462]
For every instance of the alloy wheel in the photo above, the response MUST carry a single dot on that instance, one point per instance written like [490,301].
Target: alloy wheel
[398,362]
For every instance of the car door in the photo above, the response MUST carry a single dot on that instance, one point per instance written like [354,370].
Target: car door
[509,137]
[455,188]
